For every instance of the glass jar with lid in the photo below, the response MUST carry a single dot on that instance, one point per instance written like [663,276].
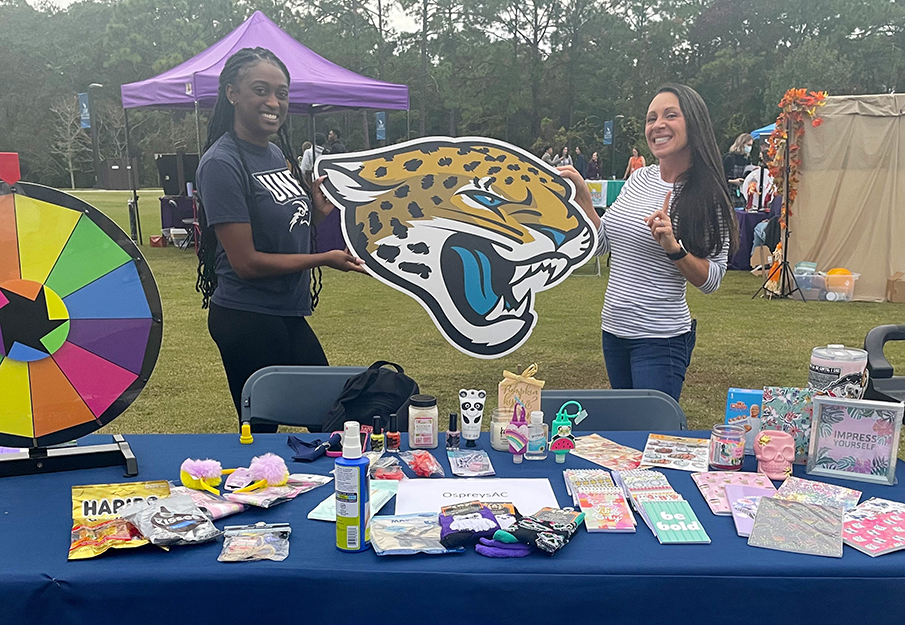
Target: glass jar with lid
[423,422]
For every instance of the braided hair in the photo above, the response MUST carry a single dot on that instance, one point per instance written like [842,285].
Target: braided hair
[222,122]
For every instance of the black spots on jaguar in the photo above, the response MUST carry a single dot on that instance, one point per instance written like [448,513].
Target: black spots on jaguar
[402,191]
[413,164]
[419,269]
[358,237]
[386,206]
[429,149]
[463,151]
[380,172]
[508,180]
[471,166]
[427,182]
[437,200]
[399,229]
[533,170]
[526,177]
[450,182]
[374,223]
[387,252]
[513,167]
[482,150]
[444,162]
[543,180]
[494,170]
[419,248]
[490,181]
[495,159]
[415,210]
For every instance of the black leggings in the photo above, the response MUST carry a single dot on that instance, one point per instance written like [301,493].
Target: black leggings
[250,341]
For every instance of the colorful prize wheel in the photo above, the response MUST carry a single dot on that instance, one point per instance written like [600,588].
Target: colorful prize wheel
[80,318]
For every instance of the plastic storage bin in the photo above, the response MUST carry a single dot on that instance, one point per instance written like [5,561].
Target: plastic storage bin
[841,288]
[812,285]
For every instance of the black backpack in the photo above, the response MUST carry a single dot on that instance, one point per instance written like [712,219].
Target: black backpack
[377,391]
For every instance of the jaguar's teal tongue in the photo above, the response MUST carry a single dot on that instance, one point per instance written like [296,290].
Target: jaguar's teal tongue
[477,274]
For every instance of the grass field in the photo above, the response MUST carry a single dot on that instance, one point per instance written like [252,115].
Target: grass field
[741,342]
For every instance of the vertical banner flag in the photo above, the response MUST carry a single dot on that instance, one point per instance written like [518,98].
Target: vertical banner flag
[84,111]
[381,125]
[608,132]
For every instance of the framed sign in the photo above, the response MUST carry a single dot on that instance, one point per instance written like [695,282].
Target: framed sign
[855,439]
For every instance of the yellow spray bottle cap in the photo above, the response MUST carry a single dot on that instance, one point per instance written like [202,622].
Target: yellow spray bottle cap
[245,437]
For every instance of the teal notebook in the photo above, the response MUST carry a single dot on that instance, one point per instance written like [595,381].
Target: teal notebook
[674,522]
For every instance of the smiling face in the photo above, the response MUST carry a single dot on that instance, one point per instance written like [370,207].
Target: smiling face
[260,100]
[470,227]
[665,128]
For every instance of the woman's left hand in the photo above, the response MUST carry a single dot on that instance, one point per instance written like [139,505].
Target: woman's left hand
[661,228]
[321,203]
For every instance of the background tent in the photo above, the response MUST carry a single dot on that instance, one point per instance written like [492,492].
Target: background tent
[316,84]
[763,133]
[850,210]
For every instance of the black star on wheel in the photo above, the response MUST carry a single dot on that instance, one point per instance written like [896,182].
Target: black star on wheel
[25,321]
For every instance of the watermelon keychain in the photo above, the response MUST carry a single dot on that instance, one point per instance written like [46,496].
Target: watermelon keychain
[563,441]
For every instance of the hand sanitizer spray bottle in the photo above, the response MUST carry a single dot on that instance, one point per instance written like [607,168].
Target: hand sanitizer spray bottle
[353,491]
[537,437]
[517,433]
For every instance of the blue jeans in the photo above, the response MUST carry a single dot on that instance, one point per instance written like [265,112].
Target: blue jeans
[657,364]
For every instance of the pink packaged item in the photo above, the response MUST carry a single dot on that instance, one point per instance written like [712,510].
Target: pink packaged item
[712,485]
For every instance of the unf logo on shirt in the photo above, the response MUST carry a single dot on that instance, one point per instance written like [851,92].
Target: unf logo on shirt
[286,190]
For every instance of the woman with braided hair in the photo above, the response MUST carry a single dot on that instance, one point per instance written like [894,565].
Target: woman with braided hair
[256,257]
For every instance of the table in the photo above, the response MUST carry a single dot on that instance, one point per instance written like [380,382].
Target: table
[604,192]
[629,578]
[746,222]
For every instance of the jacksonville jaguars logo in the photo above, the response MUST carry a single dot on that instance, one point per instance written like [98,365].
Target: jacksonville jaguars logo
[472,228]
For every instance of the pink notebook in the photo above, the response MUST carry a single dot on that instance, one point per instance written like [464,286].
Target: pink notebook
[606,510]
[876,535]
[743,501]
[712,485]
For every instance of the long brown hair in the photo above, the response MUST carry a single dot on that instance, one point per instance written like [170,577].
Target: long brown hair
[701,211]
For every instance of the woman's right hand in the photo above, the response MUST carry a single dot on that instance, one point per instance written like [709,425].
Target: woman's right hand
[342,260]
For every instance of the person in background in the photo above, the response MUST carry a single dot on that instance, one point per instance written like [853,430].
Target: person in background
[635,162]
[334,145]
[547,156]
[581,161]
[734,163]
[671,225]
[592,172]
[255,258]
[309,157]
[563,160]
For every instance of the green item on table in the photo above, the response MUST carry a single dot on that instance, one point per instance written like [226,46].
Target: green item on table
[504,537]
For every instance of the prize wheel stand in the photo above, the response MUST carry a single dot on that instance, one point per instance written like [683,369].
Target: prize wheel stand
[80,330]
[786,282]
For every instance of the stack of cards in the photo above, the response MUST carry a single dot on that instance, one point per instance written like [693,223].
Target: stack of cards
[606,510]
[586,480]
[712,485]
[819,493]
[876,527]
[676,452]
[599,450]
[665,512]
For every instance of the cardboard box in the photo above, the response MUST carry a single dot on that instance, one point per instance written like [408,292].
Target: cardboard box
[743,408]
[895,287]
[761,257]
[158,241]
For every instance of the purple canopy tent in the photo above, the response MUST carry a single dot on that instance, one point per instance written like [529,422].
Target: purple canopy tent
[316,83]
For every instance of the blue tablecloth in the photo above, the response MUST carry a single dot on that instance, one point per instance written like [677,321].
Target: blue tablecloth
[746,222]
[611,578]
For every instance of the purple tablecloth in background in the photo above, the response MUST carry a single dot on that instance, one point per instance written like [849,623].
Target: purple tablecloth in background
[329,233]
[746,223]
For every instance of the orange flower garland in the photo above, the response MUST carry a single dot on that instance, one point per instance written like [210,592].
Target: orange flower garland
[798,106]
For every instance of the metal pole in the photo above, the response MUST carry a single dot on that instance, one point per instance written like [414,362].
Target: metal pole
[94,146]
[198,128]
[134,220]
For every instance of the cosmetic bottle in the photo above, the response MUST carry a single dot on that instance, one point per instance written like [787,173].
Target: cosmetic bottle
[471,407]
[423,422]
[517,434]
[353,490]
[377,436]
[392,436]
[537,437]
[452,434]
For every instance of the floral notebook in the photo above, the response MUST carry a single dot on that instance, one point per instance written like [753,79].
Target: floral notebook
[820,493]
[797,527]
[789,410]
[606,510]
[599,450]
[712,486]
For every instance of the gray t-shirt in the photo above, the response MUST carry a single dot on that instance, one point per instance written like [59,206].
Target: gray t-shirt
[280,219]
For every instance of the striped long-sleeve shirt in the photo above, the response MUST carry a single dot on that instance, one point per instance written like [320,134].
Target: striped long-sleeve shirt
[645,296]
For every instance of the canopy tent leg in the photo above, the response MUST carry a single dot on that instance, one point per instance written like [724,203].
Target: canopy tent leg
[134,219]
[408,125]
[198,128]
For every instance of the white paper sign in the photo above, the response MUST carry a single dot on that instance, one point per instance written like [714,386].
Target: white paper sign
[429,495]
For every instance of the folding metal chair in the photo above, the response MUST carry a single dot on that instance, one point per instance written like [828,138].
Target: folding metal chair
[618,409]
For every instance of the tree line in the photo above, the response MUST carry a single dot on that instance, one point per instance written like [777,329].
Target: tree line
[531,72]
